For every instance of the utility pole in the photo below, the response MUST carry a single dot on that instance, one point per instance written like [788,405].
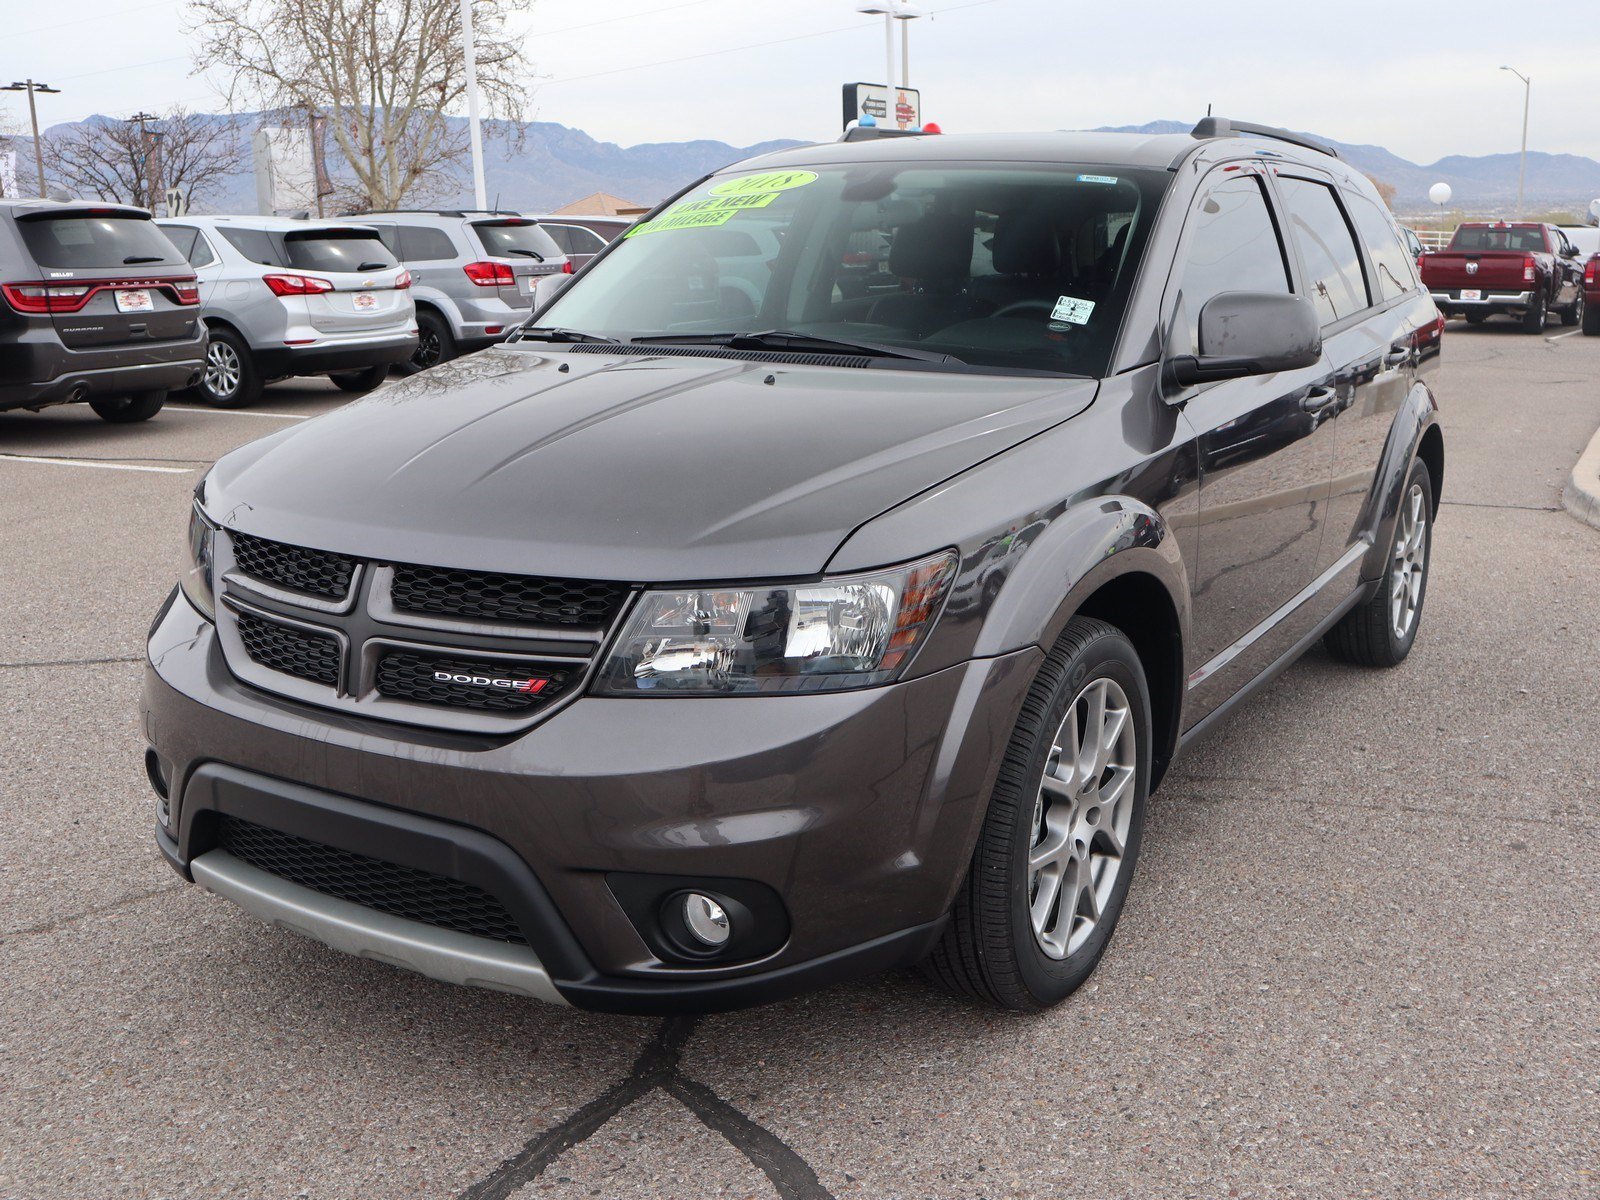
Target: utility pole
[148,169]
[1522,166]
[469,50]
[30,86]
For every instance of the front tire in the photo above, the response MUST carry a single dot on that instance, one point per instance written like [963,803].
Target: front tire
[126,410]
[360,382]
[1058,846]
[1381,632]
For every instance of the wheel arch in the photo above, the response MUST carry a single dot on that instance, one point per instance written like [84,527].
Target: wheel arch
[1414,434]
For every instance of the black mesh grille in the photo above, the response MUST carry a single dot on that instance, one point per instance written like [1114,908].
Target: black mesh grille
[289,650]
[525,598]
[387,887]
[480,684]
[315,571]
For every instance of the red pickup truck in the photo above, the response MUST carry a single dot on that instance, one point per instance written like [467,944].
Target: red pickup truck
[1524,269]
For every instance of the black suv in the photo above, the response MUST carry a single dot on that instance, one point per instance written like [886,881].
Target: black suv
[95,304]
[731,630]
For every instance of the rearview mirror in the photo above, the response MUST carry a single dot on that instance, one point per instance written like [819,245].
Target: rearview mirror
[1250,333]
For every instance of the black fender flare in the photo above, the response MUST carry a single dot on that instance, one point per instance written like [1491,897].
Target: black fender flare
[1418,414]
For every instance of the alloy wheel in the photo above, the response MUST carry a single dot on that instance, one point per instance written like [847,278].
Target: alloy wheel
[223,370]
[1409,562]
[428,349]
[1081,818]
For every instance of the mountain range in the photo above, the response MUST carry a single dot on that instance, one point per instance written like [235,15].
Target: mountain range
[552,164]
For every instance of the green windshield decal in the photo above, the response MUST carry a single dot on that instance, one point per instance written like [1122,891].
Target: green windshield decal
[698,214]
[767,181]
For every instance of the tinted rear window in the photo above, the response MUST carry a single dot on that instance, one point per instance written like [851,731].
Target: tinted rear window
[521,239]
[1527,240]
[254,244]
[97,243]
[421,244]
[350,251]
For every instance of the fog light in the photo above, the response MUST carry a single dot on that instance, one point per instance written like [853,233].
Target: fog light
[705,919]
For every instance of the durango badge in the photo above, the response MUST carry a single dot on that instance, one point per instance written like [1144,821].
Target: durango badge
[530,687]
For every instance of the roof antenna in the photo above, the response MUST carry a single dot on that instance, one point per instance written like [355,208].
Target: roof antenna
[1208,110]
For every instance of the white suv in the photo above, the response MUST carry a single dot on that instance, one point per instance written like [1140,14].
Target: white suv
[284,297]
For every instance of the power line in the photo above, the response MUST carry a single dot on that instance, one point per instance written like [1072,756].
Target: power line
[118,12]
[649,12]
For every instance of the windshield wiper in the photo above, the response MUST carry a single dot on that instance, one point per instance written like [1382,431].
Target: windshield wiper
[521,250]
[553,333]
[786,339]
[142,258]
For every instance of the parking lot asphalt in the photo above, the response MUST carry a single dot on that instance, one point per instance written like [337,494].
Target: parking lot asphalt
[1359,957]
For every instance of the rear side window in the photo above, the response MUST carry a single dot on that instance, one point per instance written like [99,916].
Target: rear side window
[586,241]
[425,245]
[1234,247]
[561,235]
[515,239]
[190,244]
[79,243]
[1327,247]
[1393,267]
[254,244]
[349,251]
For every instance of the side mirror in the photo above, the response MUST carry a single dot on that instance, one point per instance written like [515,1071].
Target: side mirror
[1250,333]
[547,289]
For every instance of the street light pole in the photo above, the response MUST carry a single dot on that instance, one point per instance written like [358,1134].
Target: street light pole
[469,51]
[31,87]
[1522,165]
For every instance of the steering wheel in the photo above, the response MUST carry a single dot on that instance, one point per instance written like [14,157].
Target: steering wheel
[1019,306]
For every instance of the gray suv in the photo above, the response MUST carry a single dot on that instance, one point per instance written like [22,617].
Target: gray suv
[697,647]
[474,273]
[284,297]
[96,305]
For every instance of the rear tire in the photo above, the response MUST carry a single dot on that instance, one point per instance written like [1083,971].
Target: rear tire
[360,382]
[1572,314]
[1476,318]
[1533,320]
[435,343]
[1015,939]
[1381,632]
[1591,320]
[125,410]
[231,378]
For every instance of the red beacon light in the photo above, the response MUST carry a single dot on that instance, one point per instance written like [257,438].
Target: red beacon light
[932,127]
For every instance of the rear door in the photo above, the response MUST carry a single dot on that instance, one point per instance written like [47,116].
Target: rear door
[114,279]
[527,249]
[363,273]
[1264,465]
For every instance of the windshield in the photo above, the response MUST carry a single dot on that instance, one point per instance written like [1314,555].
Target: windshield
[995,266]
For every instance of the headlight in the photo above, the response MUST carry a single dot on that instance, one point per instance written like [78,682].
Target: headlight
[198,585]
[848,632]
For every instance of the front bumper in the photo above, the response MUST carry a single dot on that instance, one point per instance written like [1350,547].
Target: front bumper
[857,809]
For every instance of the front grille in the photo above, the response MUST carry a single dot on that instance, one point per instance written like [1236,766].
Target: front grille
[403,675]
[289,650]
[401,891]
[445,592]
[316,572]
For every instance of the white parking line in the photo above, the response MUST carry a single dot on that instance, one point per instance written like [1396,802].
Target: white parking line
[1559,336]
[103,466]
[239,412]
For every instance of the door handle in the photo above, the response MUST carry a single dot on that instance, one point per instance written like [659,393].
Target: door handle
[1317,398]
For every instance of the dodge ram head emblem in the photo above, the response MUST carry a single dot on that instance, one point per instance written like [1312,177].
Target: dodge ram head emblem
[1472,268]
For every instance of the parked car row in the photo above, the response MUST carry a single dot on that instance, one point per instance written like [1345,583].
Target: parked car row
[104,304]
[1524,269]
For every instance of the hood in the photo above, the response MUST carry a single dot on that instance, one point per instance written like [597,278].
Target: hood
[621,467]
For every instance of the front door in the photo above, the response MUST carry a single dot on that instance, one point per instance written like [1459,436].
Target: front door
[1264,466]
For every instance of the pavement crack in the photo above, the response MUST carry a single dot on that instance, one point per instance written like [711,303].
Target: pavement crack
[75,662]
[61,922]
[657,1067]
[1491,504]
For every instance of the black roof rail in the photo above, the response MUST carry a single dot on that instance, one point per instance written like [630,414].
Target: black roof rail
[867,133]
[1219,127]
[437,212]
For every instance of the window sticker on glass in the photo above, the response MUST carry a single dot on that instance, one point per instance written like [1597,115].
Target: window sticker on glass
[698,214]
[1097,178]
[1072,310]
[767,181]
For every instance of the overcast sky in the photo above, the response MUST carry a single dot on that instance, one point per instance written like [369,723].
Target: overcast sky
[634,71]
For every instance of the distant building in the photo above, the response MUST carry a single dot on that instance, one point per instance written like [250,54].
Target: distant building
[602,204]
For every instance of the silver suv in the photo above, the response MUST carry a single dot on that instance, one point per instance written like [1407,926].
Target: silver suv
[285,297]
[474,274]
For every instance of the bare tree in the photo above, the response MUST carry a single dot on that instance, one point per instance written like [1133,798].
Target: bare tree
[1386,191]
[383,72]
[125,162]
